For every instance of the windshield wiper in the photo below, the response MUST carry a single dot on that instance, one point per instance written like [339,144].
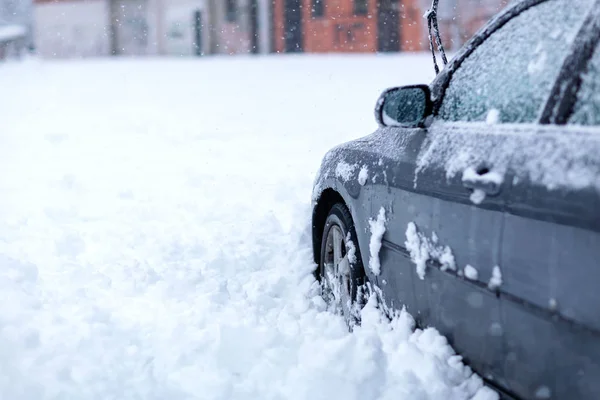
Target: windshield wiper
[432,22]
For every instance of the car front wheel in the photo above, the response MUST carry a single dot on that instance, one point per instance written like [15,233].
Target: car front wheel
[341,270]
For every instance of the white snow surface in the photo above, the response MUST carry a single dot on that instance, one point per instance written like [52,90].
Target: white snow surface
[377,227]
[154,234]
[423,249]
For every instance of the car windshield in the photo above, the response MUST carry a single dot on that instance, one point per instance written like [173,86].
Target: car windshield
[508,78]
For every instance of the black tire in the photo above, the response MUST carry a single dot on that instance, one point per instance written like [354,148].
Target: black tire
[345,299]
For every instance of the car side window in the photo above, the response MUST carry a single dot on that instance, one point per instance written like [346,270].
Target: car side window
[587,106]
[508,78]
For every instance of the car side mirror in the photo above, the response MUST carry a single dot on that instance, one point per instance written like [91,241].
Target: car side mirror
[406,106]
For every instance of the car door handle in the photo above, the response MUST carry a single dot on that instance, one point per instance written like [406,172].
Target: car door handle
[484,179]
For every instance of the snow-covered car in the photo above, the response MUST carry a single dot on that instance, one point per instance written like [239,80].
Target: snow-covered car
[476,204]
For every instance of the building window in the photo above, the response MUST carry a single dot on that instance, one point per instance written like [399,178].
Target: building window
[318,8]
[361,7]
[230,10]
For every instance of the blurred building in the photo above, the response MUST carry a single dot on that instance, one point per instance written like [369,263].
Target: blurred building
[72,28]
[15,27]
[138,27]
[16,12]
[86,28]
[461,19]
[373,25]
[347,25]
[92,28]
[185,31]
[13,40]
[240,26]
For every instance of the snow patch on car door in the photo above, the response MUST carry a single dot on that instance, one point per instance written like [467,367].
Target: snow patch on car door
[377,230]
[423,249]
[345,171]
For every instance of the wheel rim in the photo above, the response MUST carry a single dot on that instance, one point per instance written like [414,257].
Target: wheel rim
[336,273]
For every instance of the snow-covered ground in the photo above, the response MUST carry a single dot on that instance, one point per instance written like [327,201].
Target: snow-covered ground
[154,234]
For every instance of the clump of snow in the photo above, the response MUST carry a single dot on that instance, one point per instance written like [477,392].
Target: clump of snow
[443,254]
[543,392]
[471,272]
[477,197]
[377,230]
[422,249]
[491,177]
[485,393]
[553,304]
[496,279]
[418,249]
[492,117]
[363,175]
[410,346]
[344,170]
[351,249]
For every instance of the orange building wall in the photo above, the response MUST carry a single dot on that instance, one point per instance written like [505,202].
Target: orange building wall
[339,30]
[278,25]
[413,27]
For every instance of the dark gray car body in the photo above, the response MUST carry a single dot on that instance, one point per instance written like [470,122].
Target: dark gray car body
[537,335]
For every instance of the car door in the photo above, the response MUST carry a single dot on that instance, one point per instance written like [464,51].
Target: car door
[551,248]
[394,203]
[452,209]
